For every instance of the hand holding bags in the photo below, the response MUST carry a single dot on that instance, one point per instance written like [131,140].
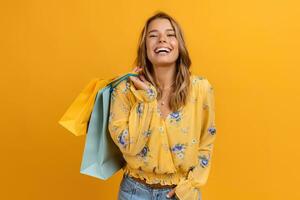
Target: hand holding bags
[101,157]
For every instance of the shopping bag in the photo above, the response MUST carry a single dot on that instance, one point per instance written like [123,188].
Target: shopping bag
[101,157]
[77,116]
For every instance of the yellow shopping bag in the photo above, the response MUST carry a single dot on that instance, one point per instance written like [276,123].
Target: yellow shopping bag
[77,116]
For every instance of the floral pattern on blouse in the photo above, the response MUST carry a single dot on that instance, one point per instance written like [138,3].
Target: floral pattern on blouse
[212,130]
[177,150]
[147,133]
[203,161]
[124,90]
[139,109]
[123,137]
[150,93]
[175,116]
[144,151]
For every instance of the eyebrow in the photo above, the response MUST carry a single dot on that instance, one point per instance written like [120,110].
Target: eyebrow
[155,30]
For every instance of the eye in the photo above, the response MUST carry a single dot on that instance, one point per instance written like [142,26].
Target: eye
[152,36]
[171,34]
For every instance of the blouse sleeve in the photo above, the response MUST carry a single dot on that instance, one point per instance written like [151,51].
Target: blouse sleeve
[189,188]
[129,120]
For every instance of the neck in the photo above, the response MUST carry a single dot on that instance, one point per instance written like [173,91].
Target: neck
[165,74]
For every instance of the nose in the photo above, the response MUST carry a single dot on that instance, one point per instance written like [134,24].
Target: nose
[162,38]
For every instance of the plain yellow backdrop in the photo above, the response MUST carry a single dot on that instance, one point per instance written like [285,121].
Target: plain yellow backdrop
[248,50]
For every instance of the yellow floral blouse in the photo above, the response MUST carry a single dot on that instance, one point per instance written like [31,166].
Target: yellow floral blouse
[175,150]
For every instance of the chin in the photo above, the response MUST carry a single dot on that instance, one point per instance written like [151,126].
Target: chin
[163,63]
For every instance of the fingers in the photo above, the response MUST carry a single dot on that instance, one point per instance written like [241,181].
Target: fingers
[143,78]
[139,81]
[137,69]
[133,78]
[171,193]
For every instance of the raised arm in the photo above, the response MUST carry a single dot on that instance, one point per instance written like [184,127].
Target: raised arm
[130,116]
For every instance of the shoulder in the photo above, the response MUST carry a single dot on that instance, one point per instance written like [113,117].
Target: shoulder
[201,86]
[122,87]
[200,81]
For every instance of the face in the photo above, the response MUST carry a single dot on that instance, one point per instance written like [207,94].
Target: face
[161,43]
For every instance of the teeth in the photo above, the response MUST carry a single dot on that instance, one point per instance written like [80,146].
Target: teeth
[162,48]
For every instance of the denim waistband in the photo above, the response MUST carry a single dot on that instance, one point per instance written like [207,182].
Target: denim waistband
[126,176]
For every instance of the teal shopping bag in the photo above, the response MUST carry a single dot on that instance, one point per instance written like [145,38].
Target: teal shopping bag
[102,157]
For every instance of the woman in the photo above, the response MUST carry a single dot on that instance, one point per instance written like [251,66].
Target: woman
[163,120]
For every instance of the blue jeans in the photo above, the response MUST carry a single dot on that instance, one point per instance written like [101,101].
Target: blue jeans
[133,190]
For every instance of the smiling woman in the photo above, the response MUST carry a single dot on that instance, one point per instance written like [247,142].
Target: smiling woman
[163,121]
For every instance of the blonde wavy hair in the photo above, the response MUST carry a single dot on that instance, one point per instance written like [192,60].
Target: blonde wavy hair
[180,92]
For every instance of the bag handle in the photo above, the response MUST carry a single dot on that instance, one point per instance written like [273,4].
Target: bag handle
[118,80]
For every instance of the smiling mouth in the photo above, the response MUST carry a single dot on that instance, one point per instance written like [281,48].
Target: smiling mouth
[162,51]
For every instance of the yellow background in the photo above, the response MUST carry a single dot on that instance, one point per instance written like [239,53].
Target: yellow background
[249,51]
